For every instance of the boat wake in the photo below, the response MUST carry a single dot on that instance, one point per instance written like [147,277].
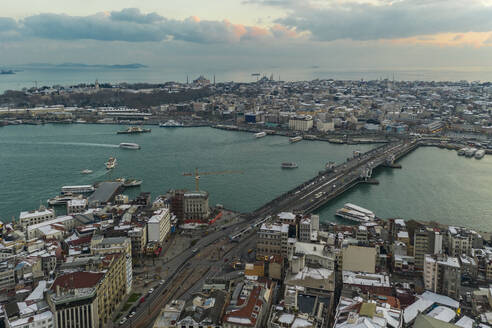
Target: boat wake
[83,144]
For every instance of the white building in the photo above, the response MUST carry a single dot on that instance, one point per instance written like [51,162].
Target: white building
[54,228]
[42,320]
[159,225]
[76,206]
[28,218]
[195,205]
[301,123]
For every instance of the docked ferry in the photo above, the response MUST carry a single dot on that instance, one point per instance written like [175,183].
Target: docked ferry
[355,213]
[480,154]
[260,134]
[171,124]
[83,189]
[63,199]
[366,212]
[470,152]
[129,145]
[295,139]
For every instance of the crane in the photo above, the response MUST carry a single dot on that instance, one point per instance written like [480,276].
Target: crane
[197,175]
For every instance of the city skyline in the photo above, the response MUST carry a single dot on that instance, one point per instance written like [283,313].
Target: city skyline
[250,34]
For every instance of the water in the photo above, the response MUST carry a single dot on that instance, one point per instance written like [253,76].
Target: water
[434,184]
[36,161]
[32,75]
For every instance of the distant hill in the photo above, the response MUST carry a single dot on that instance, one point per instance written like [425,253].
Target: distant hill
[82,66]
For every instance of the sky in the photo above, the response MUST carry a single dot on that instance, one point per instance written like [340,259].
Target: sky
[245,34]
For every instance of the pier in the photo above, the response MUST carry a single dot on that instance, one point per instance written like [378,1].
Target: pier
[315,193]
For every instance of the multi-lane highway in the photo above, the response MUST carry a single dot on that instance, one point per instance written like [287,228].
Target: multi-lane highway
[304,198]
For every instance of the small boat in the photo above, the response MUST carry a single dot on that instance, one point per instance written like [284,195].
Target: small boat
[129,145]
[260,134]
[171,124]
[480,154]
[134,130]
[295,139]
[128,183]
[86,171]
[111,163]
[289,165]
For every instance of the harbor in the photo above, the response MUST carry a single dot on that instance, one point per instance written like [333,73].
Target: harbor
[399,191]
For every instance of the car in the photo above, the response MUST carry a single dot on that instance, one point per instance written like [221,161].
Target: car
[122,321]
[195,250]
[131,314]
[151,290]
[161,282]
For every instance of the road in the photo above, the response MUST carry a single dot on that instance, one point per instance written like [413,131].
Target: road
[328,184]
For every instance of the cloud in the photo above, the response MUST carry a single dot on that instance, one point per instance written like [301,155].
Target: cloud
[131,25]
[363,21]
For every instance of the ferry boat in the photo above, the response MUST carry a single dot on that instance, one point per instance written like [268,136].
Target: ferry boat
[461,152]
[63,199]
[366,212]
[289,165]
[352,215]
[82,189]
[295,139]
[470,152]
[171,124]
[260,134]
[86,171]
[480,154]
[129,145]
[128,183]
[111,163]
[134,130]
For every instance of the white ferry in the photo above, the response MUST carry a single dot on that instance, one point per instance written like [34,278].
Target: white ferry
[260,134]
[83,189]
[63,199]
[111,163]
[295,139]
[470,152]
[352,215]
[129,145]
[366,212]
[480,154]
[171,124]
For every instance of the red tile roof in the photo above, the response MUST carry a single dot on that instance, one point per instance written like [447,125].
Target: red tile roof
[78,280]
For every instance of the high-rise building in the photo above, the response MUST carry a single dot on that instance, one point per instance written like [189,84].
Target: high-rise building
[442,275]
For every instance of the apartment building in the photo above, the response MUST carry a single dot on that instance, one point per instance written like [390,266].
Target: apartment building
[442,275]
[159,225]
[272,240]
[195,205]
[28,218]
